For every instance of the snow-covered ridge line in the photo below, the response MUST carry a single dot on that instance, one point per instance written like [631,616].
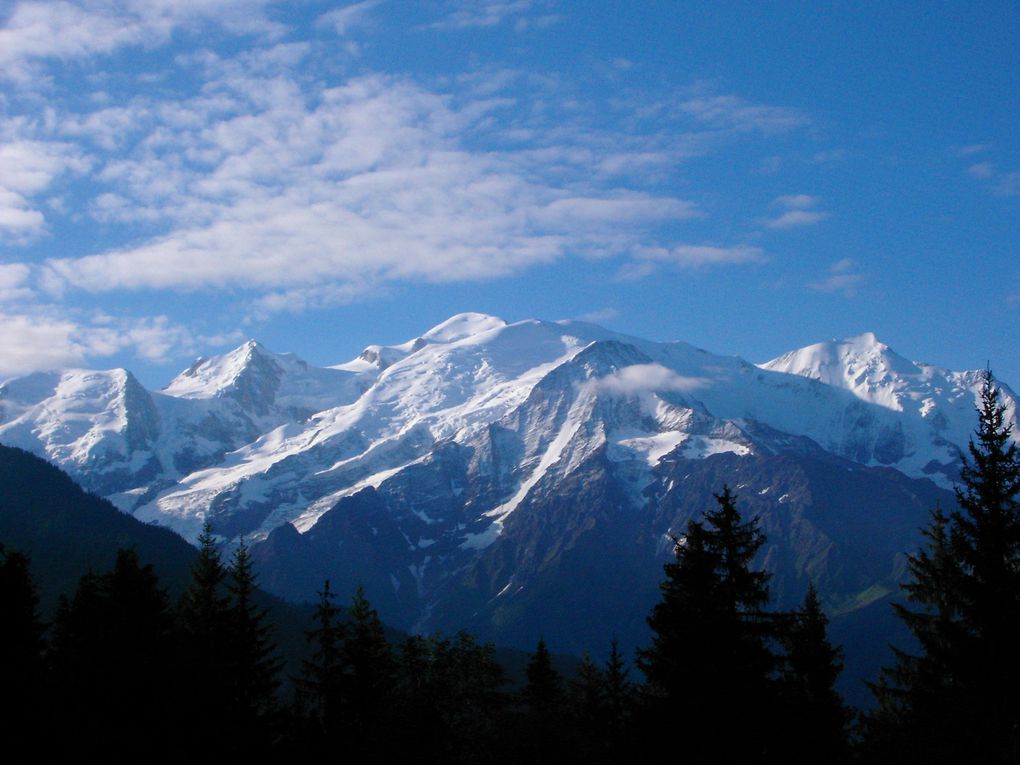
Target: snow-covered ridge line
[257,439]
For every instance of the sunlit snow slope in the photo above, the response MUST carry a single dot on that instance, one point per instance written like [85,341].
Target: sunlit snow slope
[254,439]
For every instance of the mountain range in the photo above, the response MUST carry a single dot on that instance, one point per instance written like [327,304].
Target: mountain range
[521,479]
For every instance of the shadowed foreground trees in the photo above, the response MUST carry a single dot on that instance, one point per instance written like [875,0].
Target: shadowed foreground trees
[203,615]
[123,669]
[21,650]
[710,650]
[958,699]
[113,662]
[736,678]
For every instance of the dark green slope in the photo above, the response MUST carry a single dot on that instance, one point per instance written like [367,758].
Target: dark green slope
[66,531]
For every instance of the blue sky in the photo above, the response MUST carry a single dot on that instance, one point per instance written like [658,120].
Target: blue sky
[179,175]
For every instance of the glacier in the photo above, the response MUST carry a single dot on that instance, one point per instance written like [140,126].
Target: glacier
[255,439]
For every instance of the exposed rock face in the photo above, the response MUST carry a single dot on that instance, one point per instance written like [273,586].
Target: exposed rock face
[520,478]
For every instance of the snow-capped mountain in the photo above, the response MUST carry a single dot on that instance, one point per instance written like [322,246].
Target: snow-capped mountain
[938,404]
[121,441]
[463,473]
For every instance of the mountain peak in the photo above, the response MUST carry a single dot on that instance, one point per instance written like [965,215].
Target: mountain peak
[863,340]
[209,376]
[463,325]
[861,363]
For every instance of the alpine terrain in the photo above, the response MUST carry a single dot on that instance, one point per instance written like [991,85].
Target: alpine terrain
[525,478]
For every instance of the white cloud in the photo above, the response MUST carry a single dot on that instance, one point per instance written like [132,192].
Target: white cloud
[635,271]
[260,180]
[107,128]
[733,112]
[1003,183]
[14,282]
[1009,184]
[27,169]
[698,256]
[972,149]
[359,185]
[468,14]
[648,378]
[29,344]
[343,20]
[18,222]
[795,218]
[982,170]
[600,315]
[43,339]
[622,209]
[798,212]
[828,156]
[796,201]
[63,29]
[843,277]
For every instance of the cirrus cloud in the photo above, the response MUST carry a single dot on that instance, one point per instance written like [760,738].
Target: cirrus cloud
[798,212]
[37,30]
[844,276]
[271,187]
[263,172]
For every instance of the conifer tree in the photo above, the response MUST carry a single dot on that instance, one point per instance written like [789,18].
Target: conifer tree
[421,694]
[21,648]
[450,699]
[370,683]
[113,661]
[985,539]
[619,700]
[203,621]
[542,724]
[204,605]
[474,700]
[918,699]
[587,694]
[710,668]
[815,720]
[586,697]
[321,683]
[543,692]
[252,664]
[959,699]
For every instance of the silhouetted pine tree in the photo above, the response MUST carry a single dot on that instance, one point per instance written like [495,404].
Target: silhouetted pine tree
[710,668]
[543,693]
[252,667]
[203,622]
[424,734]
[586,701]
[543,734]
[985,540]
[114,664]
[620,705]
[21,650]
[320,687]
[814,720]
[369,681]
[587,694]
[959,700]
[470,698]
[918,698]
[450,698]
